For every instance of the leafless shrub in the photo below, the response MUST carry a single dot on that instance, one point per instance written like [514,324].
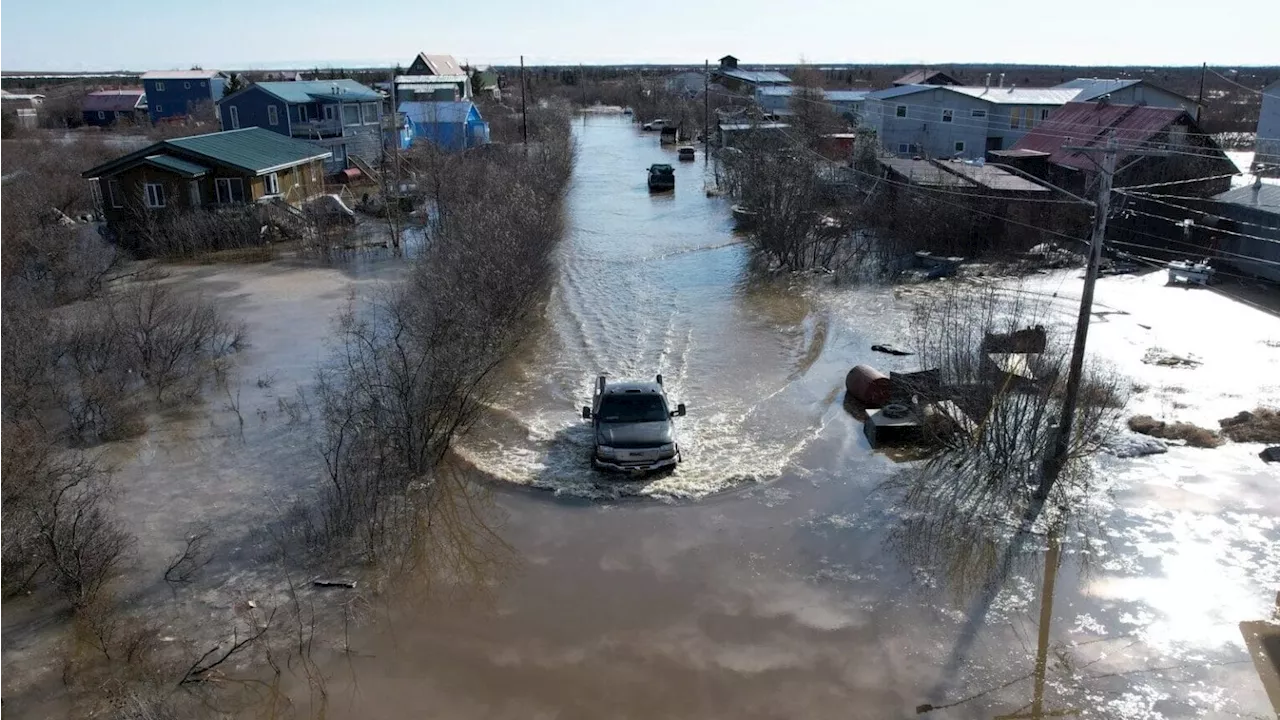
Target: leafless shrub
[169,336]
[266,380]
[1002,408]
[194,556]
[82,545]
[1193,435]
[181,234]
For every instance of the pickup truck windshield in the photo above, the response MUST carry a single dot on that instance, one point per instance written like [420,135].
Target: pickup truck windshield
[632,409]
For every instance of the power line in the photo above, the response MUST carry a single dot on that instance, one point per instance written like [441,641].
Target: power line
[1216,230]
[1245,87]
[1142,196]
[1179,182]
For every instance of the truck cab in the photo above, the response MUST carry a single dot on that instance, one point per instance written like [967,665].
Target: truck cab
[632,427]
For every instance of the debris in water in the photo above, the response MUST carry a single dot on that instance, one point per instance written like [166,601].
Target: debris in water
[1158,356]
[331,582]
[890,350]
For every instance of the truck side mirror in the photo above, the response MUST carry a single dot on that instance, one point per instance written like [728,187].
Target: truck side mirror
[586,413]
[679,410]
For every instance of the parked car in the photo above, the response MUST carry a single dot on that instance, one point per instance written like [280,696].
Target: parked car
[656,124]
[686,154]
[661,177]
[633,428]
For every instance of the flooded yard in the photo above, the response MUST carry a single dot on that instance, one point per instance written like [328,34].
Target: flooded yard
[773,574]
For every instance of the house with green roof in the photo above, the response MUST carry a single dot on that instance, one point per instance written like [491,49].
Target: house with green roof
[228,168]
[342,116]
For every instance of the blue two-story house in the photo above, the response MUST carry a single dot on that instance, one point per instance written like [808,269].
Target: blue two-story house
[342,116]
[176,93]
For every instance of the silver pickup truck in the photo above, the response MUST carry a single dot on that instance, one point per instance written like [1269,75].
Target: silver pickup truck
[633,428]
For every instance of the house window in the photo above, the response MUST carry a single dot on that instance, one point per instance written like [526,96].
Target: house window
[272,182]
[1044,114]
[154,194]
[230,190]
[959,146]
[273,115]
[235,117]
[1015,118]
[186,86]
[350,114]
[903,148]
[948,115]
[204,83]
[370,113]
[302,113]
[159,87]
[901,111]
[102,115]
[116,195]
[330,112]
[978,113]
[159,108]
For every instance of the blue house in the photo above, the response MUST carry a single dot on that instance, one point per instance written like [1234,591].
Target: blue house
[450,125]
[342,116]
[176,93]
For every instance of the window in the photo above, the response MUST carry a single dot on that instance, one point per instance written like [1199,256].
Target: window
[186,86]
[194,189]
[302,113]
[230,190]
[1044,114]
[102,115]
[948,115]
[901,111]
[330,112]
[1015,118]
[116,195]
[903,149]
[959,146]
[350,114]
[273,115]
[272,182]
[235,117]
[159,86]
[154,195]
[978,113]
[159,108]
[204,83]
[1028,117]
[370,113]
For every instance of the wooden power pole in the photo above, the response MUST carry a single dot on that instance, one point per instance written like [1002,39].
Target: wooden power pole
[524,110]
[706,112]
[1200,98]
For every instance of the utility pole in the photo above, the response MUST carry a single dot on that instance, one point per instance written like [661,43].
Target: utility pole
[582,85]
[706,112]
[1200,98]
[1057,456]
[524,111]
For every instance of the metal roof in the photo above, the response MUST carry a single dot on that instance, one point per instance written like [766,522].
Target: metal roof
[437,112]
[1265,196]
[430,79]
[893,92]
[1085,124]
[1016,95]
[113,100]
[753,126]
[925,173]
[440,64]
[1091,88]
[753,76]
[180,74]
[921,77]
[306,91]
[992,178]
[253,150]
[182,167]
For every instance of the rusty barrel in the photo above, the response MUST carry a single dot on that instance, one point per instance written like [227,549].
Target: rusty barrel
[868,386]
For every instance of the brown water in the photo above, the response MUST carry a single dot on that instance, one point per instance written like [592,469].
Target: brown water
[769,576]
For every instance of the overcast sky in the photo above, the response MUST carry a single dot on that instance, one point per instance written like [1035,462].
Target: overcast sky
[158,34]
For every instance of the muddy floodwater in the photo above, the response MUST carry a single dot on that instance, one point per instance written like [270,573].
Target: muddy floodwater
[771,575]
[774,573]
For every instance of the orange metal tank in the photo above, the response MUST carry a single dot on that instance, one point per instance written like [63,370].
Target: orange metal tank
[868,386]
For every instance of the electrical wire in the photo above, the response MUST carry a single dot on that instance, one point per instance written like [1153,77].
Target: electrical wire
[1179,182]
[1216,230]
[1142,196]
[1245,87]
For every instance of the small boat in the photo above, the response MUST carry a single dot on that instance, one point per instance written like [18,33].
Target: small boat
[686,154]
[661,177]
[743,217]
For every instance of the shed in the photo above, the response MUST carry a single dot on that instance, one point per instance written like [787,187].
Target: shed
[450,125]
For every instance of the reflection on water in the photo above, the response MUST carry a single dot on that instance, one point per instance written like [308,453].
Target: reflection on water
[823,592]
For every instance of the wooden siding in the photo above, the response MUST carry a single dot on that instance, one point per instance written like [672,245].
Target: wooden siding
[296,184]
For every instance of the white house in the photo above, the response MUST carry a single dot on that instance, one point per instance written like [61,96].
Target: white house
[1266,159]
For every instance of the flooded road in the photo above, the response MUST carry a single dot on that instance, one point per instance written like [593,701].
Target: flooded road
[776,577]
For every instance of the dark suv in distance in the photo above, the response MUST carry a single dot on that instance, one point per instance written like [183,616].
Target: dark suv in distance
[633,429]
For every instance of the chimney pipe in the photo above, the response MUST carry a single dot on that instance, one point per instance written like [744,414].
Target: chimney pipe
[1001,79]
[988,81]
